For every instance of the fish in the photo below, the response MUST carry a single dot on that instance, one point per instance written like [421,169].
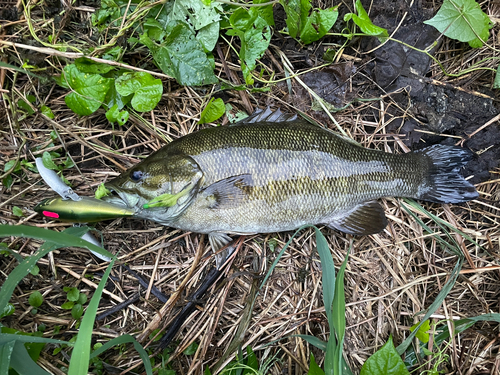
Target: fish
[274,172]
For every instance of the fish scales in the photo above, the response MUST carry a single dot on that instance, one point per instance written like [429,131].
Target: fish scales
[298,173]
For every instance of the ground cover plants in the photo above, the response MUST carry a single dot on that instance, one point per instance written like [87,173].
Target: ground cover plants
[92,88]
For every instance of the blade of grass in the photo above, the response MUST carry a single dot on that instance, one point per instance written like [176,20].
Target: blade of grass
[79,363]
[7,337]
[21,361]
[29,262]
[434,306]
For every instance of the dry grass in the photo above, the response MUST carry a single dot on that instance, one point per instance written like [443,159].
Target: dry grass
[391,277]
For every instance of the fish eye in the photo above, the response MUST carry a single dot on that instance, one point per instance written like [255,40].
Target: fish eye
[136,176]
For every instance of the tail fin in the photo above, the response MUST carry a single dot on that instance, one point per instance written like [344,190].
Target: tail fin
[445,184]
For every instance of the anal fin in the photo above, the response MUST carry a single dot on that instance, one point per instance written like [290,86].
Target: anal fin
[366,218]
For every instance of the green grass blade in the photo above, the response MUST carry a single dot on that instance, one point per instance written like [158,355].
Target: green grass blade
[328,274]
[5,355]
[62,239]
[79,363]
[22,362]
[28,263]
[313,340]
[339,316]
[125,339]
[7,337]
[434,306]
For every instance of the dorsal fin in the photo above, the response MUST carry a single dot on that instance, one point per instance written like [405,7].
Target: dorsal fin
[266,116]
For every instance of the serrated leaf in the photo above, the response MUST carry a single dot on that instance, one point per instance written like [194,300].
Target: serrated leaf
[386,361]
[213,111]
[48,162]
[181,55]
[462,20]
[89,90]
[35,299]
[365,24]
[422,334]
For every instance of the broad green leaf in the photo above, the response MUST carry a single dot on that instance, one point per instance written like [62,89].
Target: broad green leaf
[17,211]
[25,106]
[181,55]
[88,90]
[318,24]
[209,35]
[293,11]
[35,299]
[86,65]
[365,24]
[146,91]
[72,293]
[462,20]
[314,369]
[213,111]
[21,361]
[255,35]
[48,162]
[191,349]
[47,111]
[386,361]
[422,334]
[77,311]
[68,305]
[252,361]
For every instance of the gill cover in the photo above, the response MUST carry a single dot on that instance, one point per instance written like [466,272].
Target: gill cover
[160,188]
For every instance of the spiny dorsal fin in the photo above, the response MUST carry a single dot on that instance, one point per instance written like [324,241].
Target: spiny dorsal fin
[367,218]
[266,116]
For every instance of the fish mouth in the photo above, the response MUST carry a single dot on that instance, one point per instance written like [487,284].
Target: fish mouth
[120,197]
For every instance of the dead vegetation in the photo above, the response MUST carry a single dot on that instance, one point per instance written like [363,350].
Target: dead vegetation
[392,277]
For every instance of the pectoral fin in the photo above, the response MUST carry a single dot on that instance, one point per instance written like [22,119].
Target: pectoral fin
[367,218]
[229,192]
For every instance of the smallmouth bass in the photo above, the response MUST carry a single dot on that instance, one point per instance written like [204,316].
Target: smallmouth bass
[273,172]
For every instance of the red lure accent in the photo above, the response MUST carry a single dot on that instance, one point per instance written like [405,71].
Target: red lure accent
[51,214]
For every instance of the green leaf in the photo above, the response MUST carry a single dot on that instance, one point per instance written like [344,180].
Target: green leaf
[182,56]
[35,299]
[35,271]
[293,11]
[17,211]
[68,305]
[191,349]
[365,24]
[462,20]
[101,191]
[386,361]
[252,361]
[255,36]
[89,90]
[147,91]
[25,106]
[86,65]
[318,24]
[48,162]
[72,293]
[82,299]
[422,334]
[47,111]
[77,311]
[314,369]
[213,111]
